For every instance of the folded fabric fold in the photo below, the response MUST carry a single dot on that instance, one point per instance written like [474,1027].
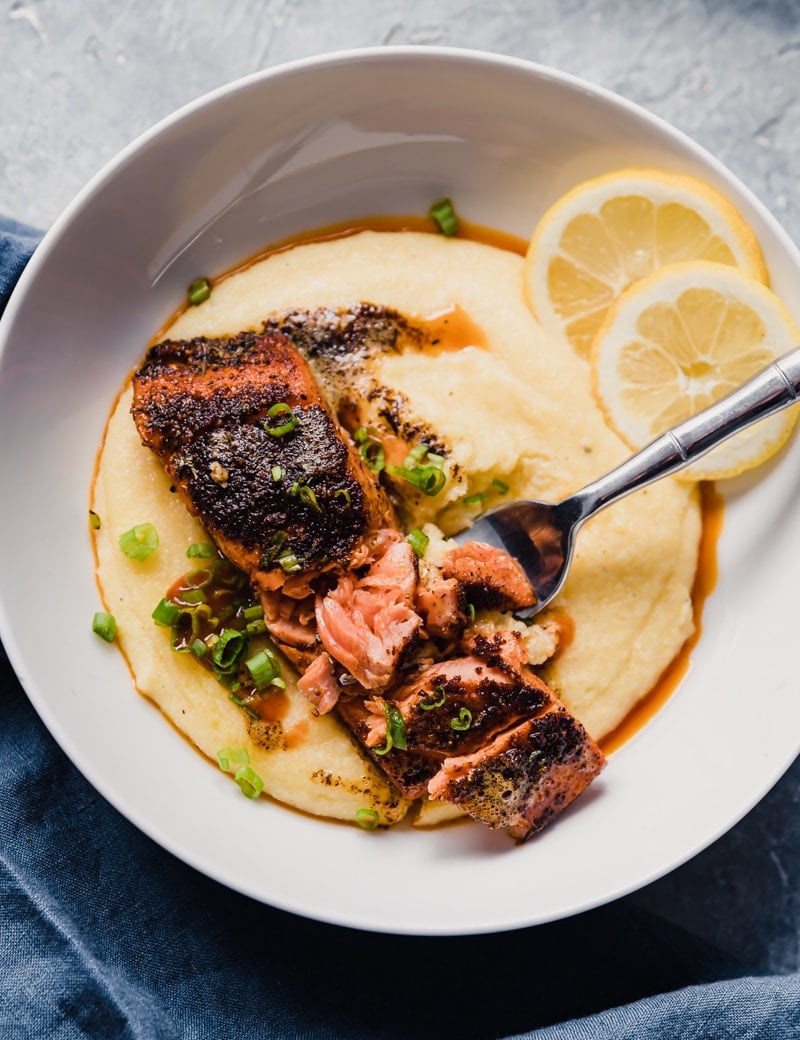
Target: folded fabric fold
[103,934]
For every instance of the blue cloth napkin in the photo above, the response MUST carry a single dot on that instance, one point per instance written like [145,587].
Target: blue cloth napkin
[103,934]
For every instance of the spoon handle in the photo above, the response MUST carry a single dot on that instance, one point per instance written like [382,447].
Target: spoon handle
[771,390]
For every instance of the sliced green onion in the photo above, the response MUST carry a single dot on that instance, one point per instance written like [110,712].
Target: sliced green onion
[289,563]
[202,550]
[464,720]
[370,448]
[344,494]
[395,725]
[263,667]
[367,818]
[232,756]
[279,682]
[501,485]
[471,611]
[475,500]
[306,495]
[384,749]
[243,705]
[249,781]
[445,216]
[199,291]
[253,613]
[194,596]
[257,627]
[418,452]
[94,520]
[428,479]
[139,541]
[198,579]
[228,649]
[282,428]
[277,473]
[166,613]
[418,541]
[198,648]
[105,626]
[434,700]
[278,540]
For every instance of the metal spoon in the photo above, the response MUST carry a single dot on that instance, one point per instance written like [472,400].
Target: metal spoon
[541,535]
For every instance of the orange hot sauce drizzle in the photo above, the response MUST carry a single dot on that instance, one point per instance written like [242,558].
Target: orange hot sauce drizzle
[705,579]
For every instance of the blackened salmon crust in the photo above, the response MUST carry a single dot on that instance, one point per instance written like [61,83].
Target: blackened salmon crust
[203,406]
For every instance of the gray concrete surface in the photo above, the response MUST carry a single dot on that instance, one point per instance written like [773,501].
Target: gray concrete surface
[80,78]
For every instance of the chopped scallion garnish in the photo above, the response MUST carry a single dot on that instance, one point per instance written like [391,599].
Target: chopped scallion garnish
[367,818]
[395,730]
[288,422]
[228,649]
[445,216]
[434,700]
[370,448]
[232,756]
[501,485]
[475,500]
[199,291]
[418,541]
[105,626]
[464,720]
[166,613]
[395,726]
[139,541]
[277,473]
[201,550]
[428,479]
[194,596]
[243,705]
[264,667]
[278,540]
[249,781]
[306,495]
[198,648]
[289,563]
[422,469]
[344,494]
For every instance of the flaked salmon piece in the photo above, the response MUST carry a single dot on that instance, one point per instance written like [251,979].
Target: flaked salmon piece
[319,684]
[525,776]
[504,649]
[441,604]
[291,625]
[453,707]
[490,577]
[366,622]
[282,494]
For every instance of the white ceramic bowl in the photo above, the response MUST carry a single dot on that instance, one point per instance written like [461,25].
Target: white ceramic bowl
[291,149]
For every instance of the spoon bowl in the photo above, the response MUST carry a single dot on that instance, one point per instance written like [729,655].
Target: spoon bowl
[541,535]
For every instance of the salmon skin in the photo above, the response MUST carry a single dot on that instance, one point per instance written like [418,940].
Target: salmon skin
[258,454]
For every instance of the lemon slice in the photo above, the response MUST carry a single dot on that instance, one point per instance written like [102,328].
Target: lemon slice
[681,339]
[609,232]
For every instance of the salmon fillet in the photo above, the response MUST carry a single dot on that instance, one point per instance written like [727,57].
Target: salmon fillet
[277,505]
